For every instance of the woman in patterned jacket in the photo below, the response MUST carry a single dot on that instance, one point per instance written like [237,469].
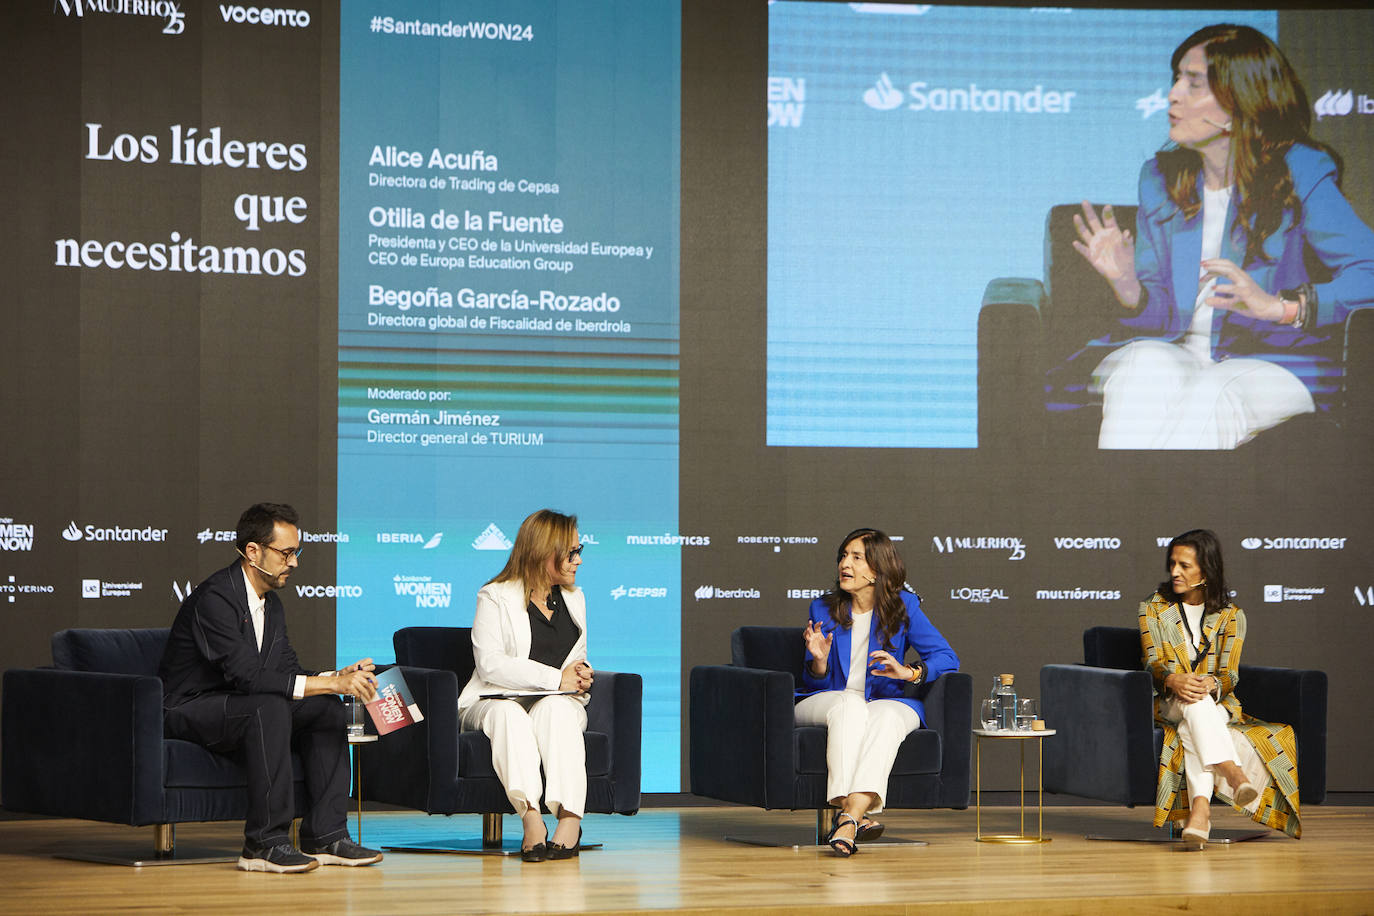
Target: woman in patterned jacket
[1191,637]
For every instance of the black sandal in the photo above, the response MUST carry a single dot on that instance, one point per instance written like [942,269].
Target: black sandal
[844,847]
[868,830]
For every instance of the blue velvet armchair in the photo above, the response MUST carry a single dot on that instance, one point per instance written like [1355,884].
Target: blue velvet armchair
[746,746]
[437,768]
[83,739]
[1107,747]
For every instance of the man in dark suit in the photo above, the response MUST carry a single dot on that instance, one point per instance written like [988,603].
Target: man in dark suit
[231,682]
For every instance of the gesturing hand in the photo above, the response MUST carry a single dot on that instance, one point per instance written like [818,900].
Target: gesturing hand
[1109,249]
[1237,291]
[884,664]
[818,645]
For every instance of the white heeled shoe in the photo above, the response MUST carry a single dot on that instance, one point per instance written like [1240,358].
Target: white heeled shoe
[1246,793]
[1195,840]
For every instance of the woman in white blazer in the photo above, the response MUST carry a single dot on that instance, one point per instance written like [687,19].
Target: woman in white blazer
[529,639]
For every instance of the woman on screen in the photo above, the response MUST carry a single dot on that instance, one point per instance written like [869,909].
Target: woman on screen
[1191,637]
[854,678]
[1248,259]
[529,636]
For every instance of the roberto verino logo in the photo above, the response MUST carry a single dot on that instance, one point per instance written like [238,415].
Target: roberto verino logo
[169,10]
[1336,103]
[882,95]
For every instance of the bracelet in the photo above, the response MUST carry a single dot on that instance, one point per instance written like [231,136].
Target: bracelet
[918,674]
[1291,307]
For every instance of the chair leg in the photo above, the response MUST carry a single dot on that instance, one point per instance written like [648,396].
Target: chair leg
[491,831]
[164,852]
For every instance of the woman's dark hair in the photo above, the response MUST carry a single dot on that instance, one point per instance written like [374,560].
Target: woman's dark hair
[1258,88]
[258,523]
[1215,592]
[890,574]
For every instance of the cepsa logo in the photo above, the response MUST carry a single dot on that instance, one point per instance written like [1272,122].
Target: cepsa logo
[639,591]
[169,10]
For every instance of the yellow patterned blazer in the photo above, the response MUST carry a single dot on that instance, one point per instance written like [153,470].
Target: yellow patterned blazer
[1164,650]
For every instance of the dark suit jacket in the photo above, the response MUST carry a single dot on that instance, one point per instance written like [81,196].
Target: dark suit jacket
[213,650]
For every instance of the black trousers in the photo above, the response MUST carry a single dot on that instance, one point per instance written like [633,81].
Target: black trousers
[260,730]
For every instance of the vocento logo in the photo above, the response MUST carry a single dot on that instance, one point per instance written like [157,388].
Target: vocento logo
[1337,103]
[1015,547]
[329,591]
[15,536]
[1088,543]
[922,96]
[161,9]
[639,591]
[786,101]
[492,538]
[254,15]
[706,592]
[1364,596]
[1293,543]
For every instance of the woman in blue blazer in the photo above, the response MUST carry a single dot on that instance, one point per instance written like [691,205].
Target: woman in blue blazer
[1234,332]
[855,675]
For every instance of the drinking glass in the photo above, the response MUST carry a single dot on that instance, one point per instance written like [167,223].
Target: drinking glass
[356,709]
[1027,711]
[987,714]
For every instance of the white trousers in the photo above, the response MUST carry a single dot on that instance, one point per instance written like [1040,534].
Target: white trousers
[861,741]
[1158,395]
[1208,741]
[525,733]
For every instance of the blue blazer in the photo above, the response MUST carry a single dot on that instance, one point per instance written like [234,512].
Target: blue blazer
[1169,249]
[918,633]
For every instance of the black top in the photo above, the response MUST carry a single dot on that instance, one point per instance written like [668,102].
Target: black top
[552,639]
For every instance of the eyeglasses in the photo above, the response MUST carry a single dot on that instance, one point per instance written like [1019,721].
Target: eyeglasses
[286,554]
[575,552]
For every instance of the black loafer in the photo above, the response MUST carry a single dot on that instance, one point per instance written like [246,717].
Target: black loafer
[559,851]
[536,853]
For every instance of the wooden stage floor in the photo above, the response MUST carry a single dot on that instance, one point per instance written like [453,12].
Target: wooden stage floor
[674,860]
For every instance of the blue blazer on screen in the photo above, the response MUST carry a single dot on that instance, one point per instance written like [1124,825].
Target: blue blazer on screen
[1169,249]
[918,633]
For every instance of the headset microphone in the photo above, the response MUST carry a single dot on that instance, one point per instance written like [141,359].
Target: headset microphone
[871,580]
[1222,127]
[256,566]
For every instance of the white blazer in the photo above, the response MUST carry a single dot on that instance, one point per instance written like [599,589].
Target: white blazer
[501,643]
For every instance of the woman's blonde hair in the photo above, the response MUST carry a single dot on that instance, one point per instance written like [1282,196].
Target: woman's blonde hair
[542,535]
